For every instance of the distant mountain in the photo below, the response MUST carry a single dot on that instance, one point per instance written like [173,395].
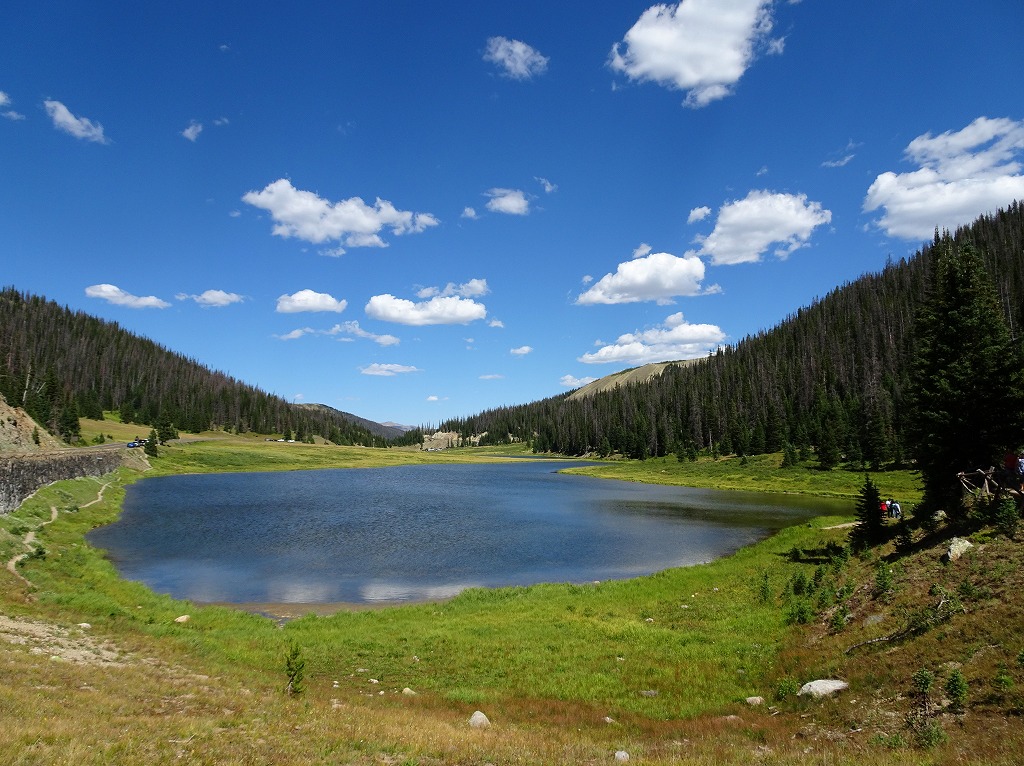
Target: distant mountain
[643,374]
[385,430]
[400,427]
[60,364]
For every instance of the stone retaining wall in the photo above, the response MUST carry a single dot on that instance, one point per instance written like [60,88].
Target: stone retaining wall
[23,474]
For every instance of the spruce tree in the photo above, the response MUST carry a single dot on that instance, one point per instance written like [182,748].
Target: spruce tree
[967,386]
[870,528]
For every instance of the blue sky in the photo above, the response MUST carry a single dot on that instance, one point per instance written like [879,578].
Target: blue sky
[412,211]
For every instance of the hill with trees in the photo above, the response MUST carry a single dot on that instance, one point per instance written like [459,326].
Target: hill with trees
[60,365]
[833,378]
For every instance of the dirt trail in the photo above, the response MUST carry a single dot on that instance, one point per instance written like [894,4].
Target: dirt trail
[30,536]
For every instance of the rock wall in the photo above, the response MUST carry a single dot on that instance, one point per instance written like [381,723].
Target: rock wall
[23,474]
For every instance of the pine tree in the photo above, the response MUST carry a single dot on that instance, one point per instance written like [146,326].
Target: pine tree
[870,527]
[967,385]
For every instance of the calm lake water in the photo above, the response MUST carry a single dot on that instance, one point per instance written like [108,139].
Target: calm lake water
[417,533]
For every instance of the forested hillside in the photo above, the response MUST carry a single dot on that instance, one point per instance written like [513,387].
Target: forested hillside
[60,365]
[832,377]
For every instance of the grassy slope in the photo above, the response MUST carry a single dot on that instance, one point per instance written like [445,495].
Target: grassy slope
[547,663]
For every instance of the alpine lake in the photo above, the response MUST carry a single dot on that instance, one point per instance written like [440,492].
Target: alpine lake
[381,536]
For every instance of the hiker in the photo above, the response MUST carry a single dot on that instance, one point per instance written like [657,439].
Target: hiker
[883,508]
[894,509]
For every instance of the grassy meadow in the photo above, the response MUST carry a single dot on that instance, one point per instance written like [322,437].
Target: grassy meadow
[657,666]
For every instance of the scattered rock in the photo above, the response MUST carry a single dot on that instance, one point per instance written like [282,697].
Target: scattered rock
[755,701]
[649,619]
[957,548]
[479,721]
[822,688]
[84,625]
[408,692]
[183,619]
[621,756]
[609,719]
[649,693]
[733,719]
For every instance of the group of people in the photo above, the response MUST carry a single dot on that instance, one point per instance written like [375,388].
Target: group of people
[890,508]
[1013,470]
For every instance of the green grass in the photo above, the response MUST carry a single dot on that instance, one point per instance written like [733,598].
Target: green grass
[665,656]
[761,473]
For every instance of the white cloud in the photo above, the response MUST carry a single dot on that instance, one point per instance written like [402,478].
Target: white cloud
[353,328]
[235,214]
[517,60]
[657,277]
[433,398]
[437,310]
[307,300]
[675,339]
[838,163]
[642,250]
[746,228]
[702,47]
[212,298]
[469,213]
[571,381]
[296,334]
[10,114]
[698,214]
[492,376]
[388,370]
[118,297]
[496,323]
[79,127]
[509,201]
[474,288]
[220,121]
[521,351]
[549,187]
[305,215]
[193,130]
[960,176]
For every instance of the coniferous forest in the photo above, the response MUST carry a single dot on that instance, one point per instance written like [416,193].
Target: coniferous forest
[60,365]
[830,382]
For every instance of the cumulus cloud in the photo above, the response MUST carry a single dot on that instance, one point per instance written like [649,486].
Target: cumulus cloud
[118,297]
[640,251]
[496,323]
[521,351]
[747,228]
[492,376]
[474,288]
[470,213]
[702,47]
[675,339]
[509,201]
[960,176]
[515,58]
[79,127]
[5,100]
[306,216]
[571,381]
[193,130]
[656,277]
[698,214]
[308,300]
[388,370]
[296,333]
[212,298]
[437,310]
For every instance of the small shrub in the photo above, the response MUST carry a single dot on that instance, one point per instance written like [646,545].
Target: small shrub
[1006,517]
[787,687]
[956,689]
[799,613]
[922,681]
[1002,681]
[892,741]
[838,620]
[930,734]
[885,580]
[294,668]
[798,584]
[764,591]
[795,554]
